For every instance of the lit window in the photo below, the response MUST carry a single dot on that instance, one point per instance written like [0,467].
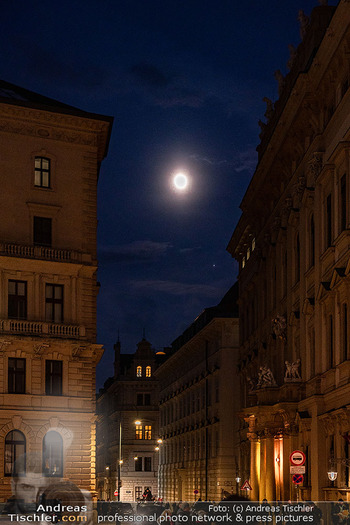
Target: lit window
[139,371]
[53,454]
[138,430]
[42,172]
[15,447]
[148,371]
[148,432]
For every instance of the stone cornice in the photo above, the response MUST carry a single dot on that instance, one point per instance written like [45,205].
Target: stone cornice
[55,126]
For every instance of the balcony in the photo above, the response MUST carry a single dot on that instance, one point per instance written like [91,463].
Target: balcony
[42,252]
[37,328]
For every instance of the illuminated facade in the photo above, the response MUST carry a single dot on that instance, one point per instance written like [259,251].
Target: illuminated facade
[50,159]
[292,244]
[199,404]
[127,426]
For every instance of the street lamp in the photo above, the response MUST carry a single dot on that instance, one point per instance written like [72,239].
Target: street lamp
[332,472]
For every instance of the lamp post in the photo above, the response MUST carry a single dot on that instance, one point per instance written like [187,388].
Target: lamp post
[332,472]
[120,461]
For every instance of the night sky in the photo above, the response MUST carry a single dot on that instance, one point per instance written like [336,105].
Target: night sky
[184,80]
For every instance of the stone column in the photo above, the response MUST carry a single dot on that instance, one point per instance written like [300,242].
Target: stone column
[262,487]
[254,465]
[270,468]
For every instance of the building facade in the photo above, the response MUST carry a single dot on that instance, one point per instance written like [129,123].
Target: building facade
[50,159]
[127,426]
[292,245]
[199,404]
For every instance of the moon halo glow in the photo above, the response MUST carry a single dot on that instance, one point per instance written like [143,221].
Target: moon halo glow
[180,181]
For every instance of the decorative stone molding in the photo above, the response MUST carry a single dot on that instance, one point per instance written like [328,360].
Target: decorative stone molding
[39,349]
[55,425]
[315,165]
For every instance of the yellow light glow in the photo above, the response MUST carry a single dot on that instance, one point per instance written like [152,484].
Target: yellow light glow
[137,422]
[159,441]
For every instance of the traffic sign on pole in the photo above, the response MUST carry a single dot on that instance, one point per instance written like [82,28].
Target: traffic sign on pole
[246,485]
[297,470]
[297,458]
[297,479]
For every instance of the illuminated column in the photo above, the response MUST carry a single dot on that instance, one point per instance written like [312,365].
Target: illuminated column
[262,487]
[270,467]
[254,465]
[287,450]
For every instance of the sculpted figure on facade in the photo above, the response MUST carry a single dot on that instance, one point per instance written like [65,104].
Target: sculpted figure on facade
[315,168]
[251,383]
[292,371]
[263,127]
[265,377]
[281,81]
[269,108]
[304,22]
[279,327]
[292,55]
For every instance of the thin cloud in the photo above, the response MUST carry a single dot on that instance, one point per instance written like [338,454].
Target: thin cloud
[135,251]
[243,161]
[175,288]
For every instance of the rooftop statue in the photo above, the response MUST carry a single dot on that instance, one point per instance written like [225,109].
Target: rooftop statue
[280,79]
[269,108]
[304,22]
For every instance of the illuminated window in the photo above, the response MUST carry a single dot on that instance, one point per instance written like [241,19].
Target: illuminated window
[138,430]
[139,371]
[148,371]
[15,446]
[42,172]
[148,432]
[53,454]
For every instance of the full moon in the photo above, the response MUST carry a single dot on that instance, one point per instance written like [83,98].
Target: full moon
[180,181]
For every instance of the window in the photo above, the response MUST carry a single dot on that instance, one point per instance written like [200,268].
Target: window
[42,172]
[15,446]
[312,241]
[345,332]
[330,341]
[143,399]
[297,259]
[138,465]
[53,454]
[139,371]
[343,200]
[148,371]
[42,231]
[329,234]
[17,299]
[54,303]
[16,376]
[139,432]
[53,378]
[138,493]
[143,432]
[147,464]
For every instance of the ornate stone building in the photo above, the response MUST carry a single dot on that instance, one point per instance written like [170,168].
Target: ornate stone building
[50,155]
[292,244]
[199,403]
[128,426]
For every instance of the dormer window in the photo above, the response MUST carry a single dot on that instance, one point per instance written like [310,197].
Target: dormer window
[42,172]
[148,371]
[139,371]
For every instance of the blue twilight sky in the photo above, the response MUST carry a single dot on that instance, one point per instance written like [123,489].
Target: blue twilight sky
[184,80]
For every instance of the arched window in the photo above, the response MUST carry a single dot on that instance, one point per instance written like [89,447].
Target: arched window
[53,454]
[15,446]
[148,371]
[139,371]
